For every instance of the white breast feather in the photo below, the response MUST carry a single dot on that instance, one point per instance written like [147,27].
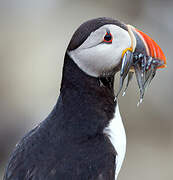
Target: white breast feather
[117,136]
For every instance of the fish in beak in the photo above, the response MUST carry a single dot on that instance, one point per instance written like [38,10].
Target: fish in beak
[143,58]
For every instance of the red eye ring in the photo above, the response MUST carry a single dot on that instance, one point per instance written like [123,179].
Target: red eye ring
[108,38]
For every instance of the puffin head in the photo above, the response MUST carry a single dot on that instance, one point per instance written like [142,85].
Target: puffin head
[101,47]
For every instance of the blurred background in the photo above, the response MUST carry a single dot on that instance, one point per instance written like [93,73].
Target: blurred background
[34,35]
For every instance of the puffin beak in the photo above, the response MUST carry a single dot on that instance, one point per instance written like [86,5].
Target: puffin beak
[143,58]
[143,44]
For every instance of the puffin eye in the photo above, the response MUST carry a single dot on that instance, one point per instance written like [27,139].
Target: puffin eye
[108,38]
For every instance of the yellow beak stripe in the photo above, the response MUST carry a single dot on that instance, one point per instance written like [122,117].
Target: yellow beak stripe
[127,49]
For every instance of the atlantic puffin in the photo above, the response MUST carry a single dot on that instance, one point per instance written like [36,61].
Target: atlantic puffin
[83,138]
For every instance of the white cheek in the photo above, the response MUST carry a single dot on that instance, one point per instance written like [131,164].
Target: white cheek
[96,60]
[103,57]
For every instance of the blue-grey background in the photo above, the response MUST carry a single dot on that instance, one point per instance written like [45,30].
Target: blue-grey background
[34,35]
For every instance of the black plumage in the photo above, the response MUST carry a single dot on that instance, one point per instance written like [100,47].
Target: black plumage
[70,144]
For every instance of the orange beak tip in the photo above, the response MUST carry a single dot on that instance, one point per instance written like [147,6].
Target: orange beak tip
[163,66]
[152,48]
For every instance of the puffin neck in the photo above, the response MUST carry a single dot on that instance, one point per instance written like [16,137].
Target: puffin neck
[74,78]
[85,103]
